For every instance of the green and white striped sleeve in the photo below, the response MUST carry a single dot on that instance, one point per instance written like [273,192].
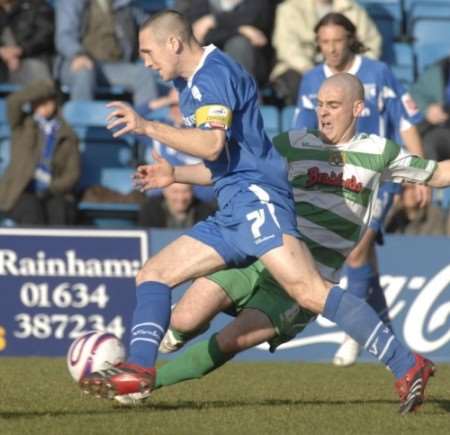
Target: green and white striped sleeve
[406,167]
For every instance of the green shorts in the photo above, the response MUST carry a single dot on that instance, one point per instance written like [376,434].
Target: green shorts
[254,287]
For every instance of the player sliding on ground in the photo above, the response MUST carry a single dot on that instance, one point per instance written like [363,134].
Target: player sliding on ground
[326,212]
[256,217]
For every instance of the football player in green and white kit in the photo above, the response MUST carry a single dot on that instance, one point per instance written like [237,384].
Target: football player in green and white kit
[335,184]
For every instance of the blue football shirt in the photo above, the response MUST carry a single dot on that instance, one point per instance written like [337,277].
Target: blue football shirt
[221,94]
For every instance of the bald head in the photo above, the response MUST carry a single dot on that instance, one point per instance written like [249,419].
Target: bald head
[349,83]
[169,23]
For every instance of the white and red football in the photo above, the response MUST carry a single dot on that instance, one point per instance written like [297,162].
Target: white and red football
[93,351]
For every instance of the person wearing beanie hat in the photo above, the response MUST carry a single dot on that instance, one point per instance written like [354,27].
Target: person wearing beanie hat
[37,186]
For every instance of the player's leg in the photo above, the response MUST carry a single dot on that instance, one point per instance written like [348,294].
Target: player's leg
[226,290]
[293,267]
[362,273]
[183,259]
[250,328]
[201,302]
[268,314]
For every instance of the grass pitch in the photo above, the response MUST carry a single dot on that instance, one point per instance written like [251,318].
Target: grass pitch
[38,397]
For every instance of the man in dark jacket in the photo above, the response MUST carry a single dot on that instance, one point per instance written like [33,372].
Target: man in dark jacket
[241,28]
[26,40]
[36,188]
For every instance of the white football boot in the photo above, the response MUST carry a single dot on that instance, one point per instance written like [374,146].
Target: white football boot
[170,343]
[348,353]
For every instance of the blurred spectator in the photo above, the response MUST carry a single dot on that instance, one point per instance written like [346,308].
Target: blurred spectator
[176,208]
[36,188]
[241,28]
[432,95]
[26,40]
[407,217]
[97,44]
[294,39]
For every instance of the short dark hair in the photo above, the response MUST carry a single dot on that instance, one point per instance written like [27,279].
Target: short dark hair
[336,19]
[177,19]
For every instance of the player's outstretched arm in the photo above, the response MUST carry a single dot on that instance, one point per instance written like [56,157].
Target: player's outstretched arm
[193,174]
[161,174]
[205,144]
[413,144]
[441,176]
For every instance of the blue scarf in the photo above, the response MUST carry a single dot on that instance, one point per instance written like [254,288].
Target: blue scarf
[42,174]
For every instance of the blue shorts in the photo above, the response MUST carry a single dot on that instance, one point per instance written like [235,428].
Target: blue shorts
[249,226]
[385,198]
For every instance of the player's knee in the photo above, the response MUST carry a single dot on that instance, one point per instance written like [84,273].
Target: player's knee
[182,322]
[310,295]
[149,273]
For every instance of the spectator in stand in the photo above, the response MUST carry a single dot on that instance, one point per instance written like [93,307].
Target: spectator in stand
[177,208]
[432,95]
[26,40]
[37,186]
[97,44]
[407,217]
[241,28]
[294,39]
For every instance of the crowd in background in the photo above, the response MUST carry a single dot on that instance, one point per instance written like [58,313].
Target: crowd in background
[55,51]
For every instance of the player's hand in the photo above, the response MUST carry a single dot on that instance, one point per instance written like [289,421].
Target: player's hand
[423,195]
[202,26]
[254,35]
[435,114]
[81,62]
[154,176]
[125,117]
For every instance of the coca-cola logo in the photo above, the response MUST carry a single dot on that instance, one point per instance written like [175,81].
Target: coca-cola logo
[422,303]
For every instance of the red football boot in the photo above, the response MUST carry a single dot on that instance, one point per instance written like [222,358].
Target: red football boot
[119,380]
[411,388]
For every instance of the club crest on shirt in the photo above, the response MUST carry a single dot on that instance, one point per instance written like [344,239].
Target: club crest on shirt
[336,158]
[196,94]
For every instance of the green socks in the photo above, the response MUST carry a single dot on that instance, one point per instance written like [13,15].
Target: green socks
[198,360]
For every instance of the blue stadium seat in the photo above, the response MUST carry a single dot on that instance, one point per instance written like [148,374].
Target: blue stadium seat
[105,161]
[113,215]
[3,118]
[7,88]
[271,119]
[152,6]
[287,116]
[98,148]
[388,17]
[428,23]
[403,63]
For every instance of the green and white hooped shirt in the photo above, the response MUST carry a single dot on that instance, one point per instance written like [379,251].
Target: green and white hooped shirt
[335,188]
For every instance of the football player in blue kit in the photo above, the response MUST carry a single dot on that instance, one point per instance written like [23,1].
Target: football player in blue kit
[256,216]
[389,112]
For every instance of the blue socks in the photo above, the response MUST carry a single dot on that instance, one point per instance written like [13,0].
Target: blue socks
[364,283]
[151,319]
[359,280]
[356,318]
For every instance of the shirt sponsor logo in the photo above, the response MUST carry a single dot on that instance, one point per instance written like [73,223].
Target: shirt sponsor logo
[332,179]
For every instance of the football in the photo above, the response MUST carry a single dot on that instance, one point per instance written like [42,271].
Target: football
[93,351]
